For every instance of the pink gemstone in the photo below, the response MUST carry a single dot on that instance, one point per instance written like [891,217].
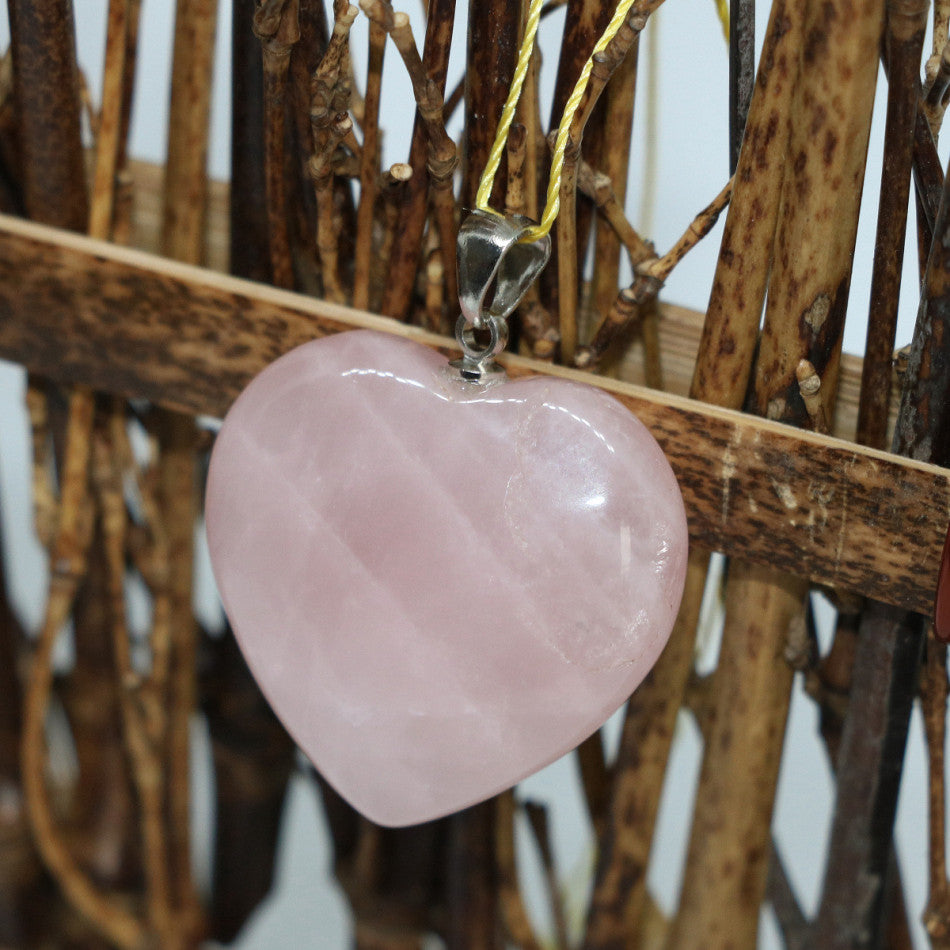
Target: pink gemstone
[440,586]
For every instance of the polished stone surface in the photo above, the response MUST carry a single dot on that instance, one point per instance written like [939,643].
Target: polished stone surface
[440,586]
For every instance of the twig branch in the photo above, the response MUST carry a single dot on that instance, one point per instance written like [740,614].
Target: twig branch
[369,168]
[442,158]
[934,691]
[514,913]
[276,25]
[651,272]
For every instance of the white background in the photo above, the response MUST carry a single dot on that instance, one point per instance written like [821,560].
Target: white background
[686,142]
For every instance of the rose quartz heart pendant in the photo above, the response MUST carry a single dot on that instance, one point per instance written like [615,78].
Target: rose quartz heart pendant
[441,586]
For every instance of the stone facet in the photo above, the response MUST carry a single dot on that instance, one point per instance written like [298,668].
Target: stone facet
[440,586]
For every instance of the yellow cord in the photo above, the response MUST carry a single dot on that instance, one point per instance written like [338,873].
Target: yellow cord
[553,201]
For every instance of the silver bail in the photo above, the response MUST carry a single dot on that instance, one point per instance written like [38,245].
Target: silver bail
[490,255]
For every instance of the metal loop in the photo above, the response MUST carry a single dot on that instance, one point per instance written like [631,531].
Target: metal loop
[478,362]
[491,255]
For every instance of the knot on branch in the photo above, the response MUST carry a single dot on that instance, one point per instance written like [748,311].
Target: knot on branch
[277,25]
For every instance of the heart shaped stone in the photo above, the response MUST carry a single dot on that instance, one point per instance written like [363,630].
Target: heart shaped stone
[441,586]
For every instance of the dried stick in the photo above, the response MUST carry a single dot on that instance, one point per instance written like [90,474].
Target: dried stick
[46,87]
[939,82]
[937,69]
[276,26]
[68,565]
[142,709]
[619,895]
[330,124]
[651,274]
[809,386]
[44,492]
[404,261]
[788,912]
[595,777]
[604,65]
[538,336]
[906,24]
[442,158]
[249,249]
[814,247]
[328,132]
[110,120]
[494,28]
[933,694]
[537,815]
[393,196]
[618,118]
[471,880]
[738,291]
[514,914]
[727,859]
[185,191]
[253,760]
[741,72]
[369,168]
[183,238]
[435,291]
[122,214]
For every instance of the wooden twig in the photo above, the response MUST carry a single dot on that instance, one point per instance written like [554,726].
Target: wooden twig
[43,489]
[934,691]
[820,212]
[248,239]
[513,911]
[276,26]
[46,87]
[604,65]
[183,238]
[809,387]
[493,31]
[435,291]
[394,188]
[471,880]
[369,168]
[183,226]
[441,159]
[538,336]
[595,777]
[537,815]
[614,165]
[727,860]
[328,133]
[724,364]
[906,24]
[619,896]
[142,709]
[939,82]
[122,214]
[651,273]
[253,760]
[741,73]
[788,912]
[404,261]
[68,564]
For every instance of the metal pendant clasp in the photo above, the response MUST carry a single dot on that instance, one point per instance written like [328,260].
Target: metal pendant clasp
[492,260]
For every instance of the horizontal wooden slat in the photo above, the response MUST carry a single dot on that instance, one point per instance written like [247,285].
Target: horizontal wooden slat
[86,312]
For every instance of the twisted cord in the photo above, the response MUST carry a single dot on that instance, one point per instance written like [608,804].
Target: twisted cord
[553,200]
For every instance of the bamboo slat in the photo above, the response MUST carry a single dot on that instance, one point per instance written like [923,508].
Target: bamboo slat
[853,518]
